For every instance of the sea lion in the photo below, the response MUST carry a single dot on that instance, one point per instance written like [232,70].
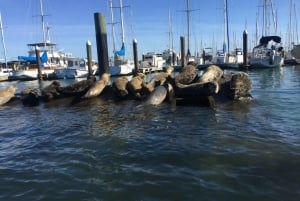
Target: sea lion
[51,91]
[98,86]
[76,89]
[6,94]
[188,75]
[119,86]
[212,74]
[30,97]
[136,85]
[159,78]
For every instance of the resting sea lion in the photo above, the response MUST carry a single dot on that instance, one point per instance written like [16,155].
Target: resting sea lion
[51,91]
[6,94]
[98,86]
[159,78]
[157,96]
[212,74]
[188,75]
[136,85]
[119,86]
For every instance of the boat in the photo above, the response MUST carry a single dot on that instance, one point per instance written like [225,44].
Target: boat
[119,65]
[296,52]
[3,65]
[152,62]
[292,55]
[76,68]
[51,59]
[224,58]
[268,53]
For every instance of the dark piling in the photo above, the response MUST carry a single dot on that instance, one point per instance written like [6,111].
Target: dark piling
[135,56]
[38,63]
[182,46]
[101,40]
[89,58]
[245,48]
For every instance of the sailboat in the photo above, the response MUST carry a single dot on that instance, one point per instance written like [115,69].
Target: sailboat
[223,58]
[119,65]
[293,34]
[54,64]
[3,72]
[268,53]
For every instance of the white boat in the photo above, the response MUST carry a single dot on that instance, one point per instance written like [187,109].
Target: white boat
[119,65]
[3,65]
[296,52]
[51,58]
[76,68]
[268,53]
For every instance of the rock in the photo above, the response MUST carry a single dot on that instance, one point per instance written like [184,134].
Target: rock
[240,86]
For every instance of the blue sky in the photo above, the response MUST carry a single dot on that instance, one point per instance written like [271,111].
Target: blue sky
[72,23]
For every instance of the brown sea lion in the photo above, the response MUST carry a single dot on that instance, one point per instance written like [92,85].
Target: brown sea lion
[6,94]
[188,75]
[159,78]
[136,85]
[120,86]
[98,86]
[212,74]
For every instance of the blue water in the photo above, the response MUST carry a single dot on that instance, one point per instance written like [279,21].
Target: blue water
[105,150]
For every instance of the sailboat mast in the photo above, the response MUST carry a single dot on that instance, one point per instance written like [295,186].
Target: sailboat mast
[3,41]
[188,26]
[112,25]
[43,22]
[225,28]
[122,22]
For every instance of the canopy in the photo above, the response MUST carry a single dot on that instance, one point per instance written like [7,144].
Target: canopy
[266,39]
[43,58]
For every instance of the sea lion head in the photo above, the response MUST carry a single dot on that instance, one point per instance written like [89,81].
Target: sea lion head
[106,78]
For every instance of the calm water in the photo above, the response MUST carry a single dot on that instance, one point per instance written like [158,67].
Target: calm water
[105,150]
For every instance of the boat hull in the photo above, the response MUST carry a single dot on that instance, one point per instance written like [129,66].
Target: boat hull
[266,62]
[31,74]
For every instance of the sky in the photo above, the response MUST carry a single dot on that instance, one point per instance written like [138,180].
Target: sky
[150,22]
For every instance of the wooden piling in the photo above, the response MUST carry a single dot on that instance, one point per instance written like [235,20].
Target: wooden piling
[101,40]
[174,58]
[135,57]
[89,57]
[182,46]
[38,63]
[203,56]
[245,48]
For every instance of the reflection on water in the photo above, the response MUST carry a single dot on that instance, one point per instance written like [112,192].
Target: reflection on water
[101,149]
